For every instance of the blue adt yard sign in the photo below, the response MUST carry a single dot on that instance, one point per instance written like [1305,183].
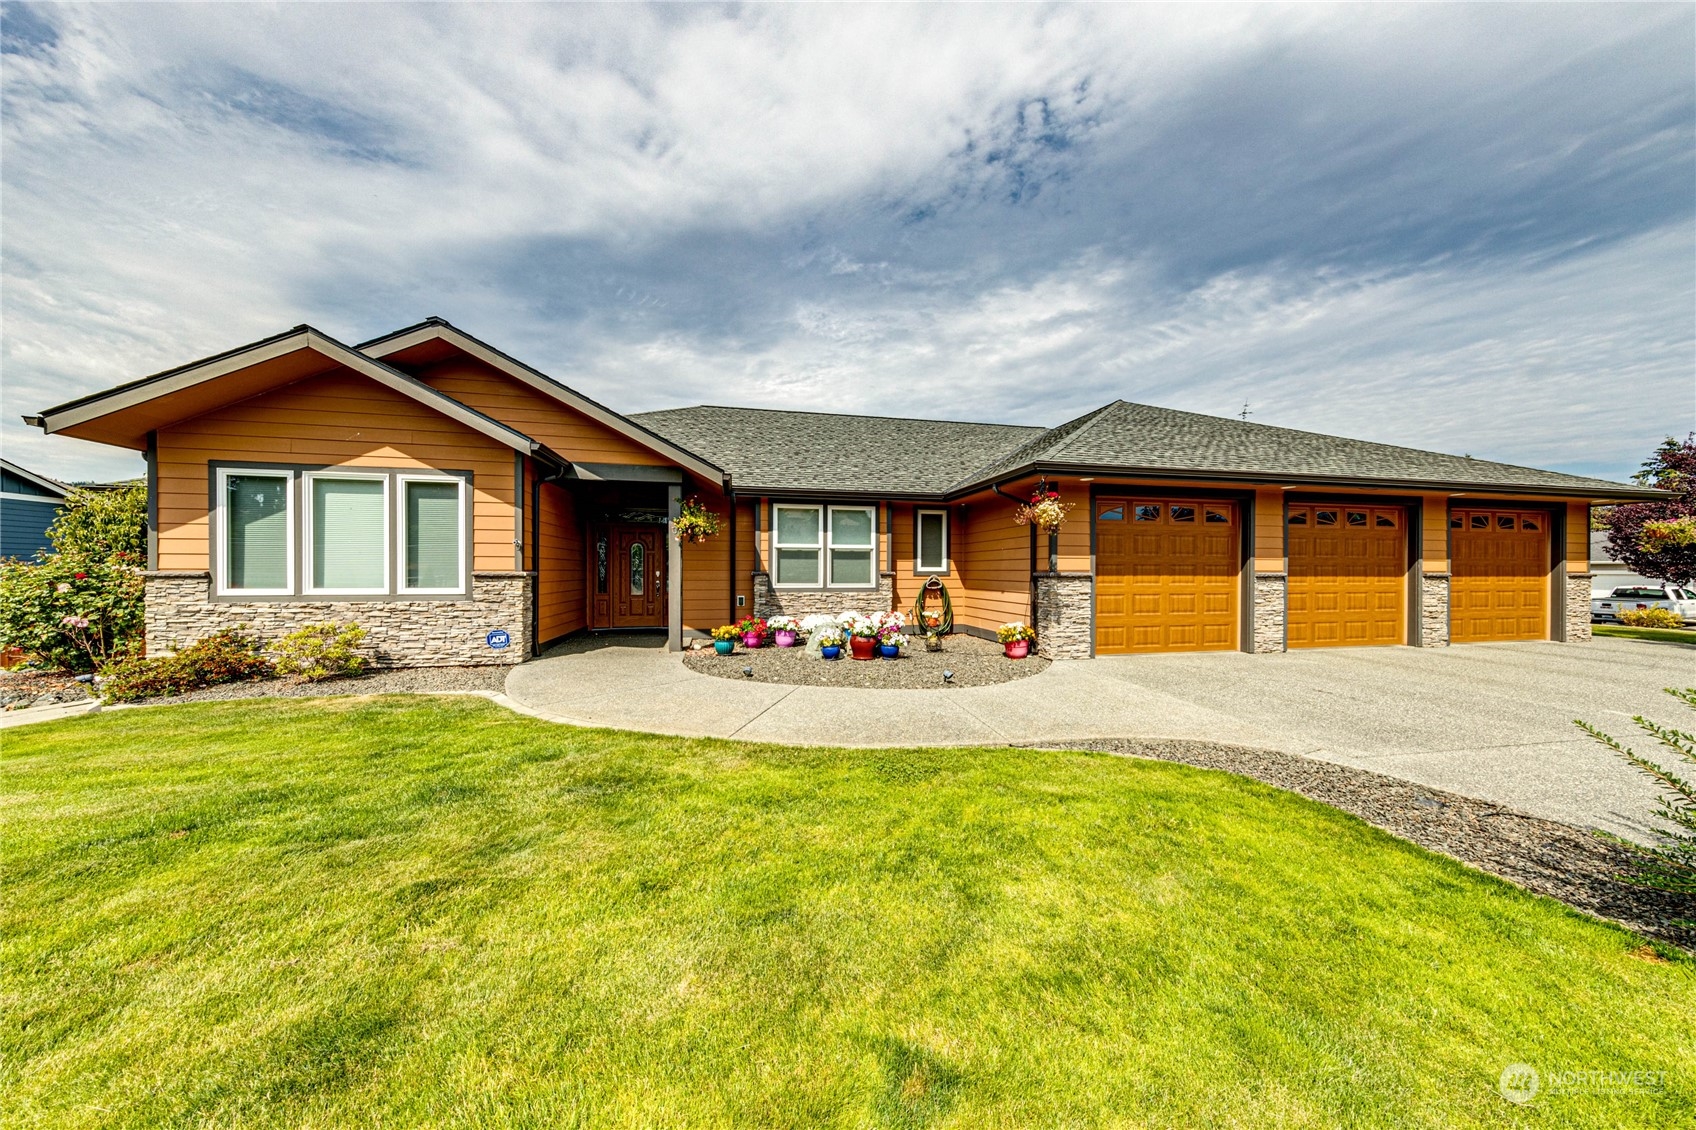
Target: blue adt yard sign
[498,639]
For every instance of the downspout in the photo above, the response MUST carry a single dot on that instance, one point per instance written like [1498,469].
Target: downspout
[730,493]
[536,482]
[1030,617]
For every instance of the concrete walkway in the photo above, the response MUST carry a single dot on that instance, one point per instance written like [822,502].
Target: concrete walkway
[1492,721]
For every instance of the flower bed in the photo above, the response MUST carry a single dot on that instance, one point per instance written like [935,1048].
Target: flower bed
[975,662]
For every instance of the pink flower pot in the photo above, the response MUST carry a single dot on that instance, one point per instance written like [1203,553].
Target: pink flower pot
[1017,649]
[750,639]
[785,639]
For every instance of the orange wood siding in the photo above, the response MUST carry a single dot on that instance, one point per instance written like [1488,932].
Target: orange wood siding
[337,420]
[568,432]
[992,559]
[1269,531]
[706,565]
[1434,552]
[1578,537]
[560,566]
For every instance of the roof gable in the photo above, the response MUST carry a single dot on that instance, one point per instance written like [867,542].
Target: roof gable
[21,480]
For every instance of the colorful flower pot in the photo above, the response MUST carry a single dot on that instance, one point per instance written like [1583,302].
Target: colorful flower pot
[862,648]
[1017,649]
[831,651]
[888,650]
[785,639]
[724,647]
[750,639]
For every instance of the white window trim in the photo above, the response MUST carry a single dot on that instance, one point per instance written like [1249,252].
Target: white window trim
[831,546]
[817,546]
[307,480]
[918,542]
[223,529]
[400,533]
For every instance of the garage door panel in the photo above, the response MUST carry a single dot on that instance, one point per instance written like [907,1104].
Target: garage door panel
[1499,587]
[1348,575]
[1178,565]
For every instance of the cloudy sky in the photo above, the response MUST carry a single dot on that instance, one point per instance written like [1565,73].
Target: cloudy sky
[1468,228]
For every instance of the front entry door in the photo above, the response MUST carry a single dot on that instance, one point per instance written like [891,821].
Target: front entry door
[638,577]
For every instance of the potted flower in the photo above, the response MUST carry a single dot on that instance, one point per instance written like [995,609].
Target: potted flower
[892,645]
[933,642]
[1045,510]
[862,635]
[753,631]
[694,522]
[784,629]
[724,638]
[830,642]
[1015,639]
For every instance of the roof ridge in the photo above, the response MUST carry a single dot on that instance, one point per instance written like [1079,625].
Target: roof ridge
[846,415]
[1090,419]
[1032,448]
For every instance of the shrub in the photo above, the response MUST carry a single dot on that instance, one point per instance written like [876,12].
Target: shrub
[228,656]
[321,651]
[71,612]
[103,525]
[1656,539]
[1670,866]
[1651,618]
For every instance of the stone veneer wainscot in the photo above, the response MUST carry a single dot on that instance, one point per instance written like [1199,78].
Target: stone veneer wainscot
[769,601]
[1065,615]
[1434,610]
[1578,607]
[1270,604]
[398,633]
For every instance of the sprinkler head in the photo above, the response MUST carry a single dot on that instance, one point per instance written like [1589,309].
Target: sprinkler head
[948,676]
[748,671]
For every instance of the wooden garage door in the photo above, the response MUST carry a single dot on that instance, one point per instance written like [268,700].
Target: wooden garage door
[1348,575]
[1167,573]
[1499,587]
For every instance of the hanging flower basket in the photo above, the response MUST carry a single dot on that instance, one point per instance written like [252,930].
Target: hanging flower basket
[694,522]
[1045,510]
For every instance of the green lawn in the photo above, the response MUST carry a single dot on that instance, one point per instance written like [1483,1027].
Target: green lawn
[1661,635]
[391,912]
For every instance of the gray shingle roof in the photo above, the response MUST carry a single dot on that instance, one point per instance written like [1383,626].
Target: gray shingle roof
[772,450]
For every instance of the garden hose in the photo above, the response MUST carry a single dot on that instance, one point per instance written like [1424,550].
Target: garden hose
[946,623]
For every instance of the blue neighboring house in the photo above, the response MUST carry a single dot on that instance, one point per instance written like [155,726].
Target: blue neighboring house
[28,504]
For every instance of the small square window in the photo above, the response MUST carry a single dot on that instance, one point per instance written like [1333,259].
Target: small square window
[1481,521]
[1148,513]
[1112,514]
[1454,522]
[1183,513]
[1298,517]
[1355,517]
[1325,518]
[1504,521]
[1218,514]
[1385,519]
[1529,524]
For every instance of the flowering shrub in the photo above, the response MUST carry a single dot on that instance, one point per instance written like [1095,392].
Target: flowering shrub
[784,624]
[229,656]
[694,522]
[1017,630]
[1651,618]
[321,651]
[1044,510]
[726,632]
[72,613]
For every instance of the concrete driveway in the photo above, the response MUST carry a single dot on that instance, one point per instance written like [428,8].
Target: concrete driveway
[1492,721]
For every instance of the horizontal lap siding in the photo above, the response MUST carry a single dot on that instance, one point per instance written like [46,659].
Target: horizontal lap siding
[1269,531]
[993,561]
[560,571]
[339,420]
[544,419]
[1578,537]
[706,566]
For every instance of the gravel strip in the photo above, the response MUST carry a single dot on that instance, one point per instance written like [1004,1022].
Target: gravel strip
[407,680]
[23,688]
[975,663]
[1578,867]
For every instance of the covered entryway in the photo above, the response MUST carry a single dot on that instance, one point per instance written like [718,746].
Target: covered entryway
[1348,575]
[1499,587]
[1167,574]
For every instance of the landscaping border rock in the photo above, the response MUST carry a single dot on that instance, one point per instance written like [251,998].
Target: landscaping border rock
[975,663]
[1580,868]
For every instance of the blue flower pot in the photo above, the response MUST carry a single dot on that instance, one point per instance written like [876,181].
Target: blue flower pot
[889,650]
[724,647]
[831,651]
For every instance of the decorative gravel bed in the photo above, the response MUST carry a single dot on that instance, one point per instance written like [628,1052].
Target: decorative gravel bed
[975,663]
[1578,867]
[22,688]
[408,680]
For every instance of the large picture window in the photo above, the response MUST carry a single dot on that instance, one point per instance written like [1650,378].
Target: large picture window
[930,553]
[339,533]
[824,546]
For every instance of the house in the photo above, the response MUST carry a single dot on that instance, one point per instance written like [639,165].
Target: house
[466,508]
[28,504]
[1609,572]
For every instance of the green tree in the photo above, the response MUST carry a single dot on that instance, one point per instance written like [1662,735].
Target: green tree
[103,525]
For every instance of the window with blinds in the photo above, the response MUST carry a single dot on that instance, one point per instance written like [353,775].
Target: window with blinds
[349,527]
[256,533]
[434,549]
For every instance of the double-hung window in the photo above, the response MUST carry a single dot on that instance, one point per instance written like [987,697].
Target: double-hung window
[824,546]
[931,542]
[340,533]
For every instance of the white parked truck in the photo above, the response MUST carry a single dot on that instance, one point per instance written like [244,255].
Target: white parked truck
[1637,598]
